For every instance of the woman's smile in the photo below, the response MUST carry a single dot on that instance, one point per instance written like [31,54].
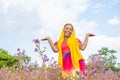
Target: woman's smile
[68,30]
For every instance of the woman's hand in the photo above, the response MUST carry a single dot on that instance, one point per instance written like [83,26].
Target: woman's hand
[90,34]
[47,38]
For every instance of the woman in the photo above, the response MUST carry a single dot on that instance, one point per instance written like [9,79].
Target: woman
[68,46]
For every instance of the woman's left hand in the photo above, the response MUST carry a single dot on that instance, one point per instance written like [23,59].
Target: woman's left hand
[90,34]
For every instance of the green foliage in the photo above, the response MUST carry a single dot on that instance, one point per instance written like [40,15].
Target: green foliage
[109,58]
[6,60]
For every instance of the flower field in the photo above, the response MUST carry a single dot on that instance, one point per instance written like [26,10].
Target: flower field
[49,70]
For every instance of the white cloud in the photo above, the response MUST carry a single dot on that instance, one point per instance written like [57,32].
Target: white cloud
[48,18]
[49,13]
[101,6]
[59,12]
[84,26]
[97,42]
[114,21]
[104,41]
[98,7]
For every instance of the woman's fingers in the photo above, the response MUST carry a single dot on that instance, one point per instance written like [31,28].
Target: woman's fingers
[43,39]
[47,38]
[91,34]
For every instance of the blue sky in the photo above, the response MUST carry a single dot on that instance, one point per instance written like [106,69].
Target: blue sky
[23,20]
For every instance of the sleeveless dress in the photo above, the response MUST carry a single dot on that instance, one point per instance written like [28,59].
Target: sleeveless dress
[67,61]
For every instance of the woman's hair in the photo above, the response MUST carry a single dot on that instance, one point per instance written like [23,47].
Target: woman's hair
[68,24]
[73,44]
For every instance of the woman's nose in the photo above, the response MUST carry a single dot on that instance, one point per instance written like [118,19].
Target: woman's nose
[68,30]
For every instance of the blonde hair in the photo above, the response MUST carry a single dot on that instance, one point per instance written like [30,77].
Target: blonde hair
[73,44]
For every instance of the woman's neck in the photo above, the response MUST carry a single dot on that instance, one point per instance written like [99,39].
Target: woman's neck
[65,38]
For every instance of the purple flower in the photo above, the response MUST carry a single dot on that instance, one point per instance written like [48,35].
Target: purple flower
[26,74]
[60,68]
[51,65]
[37,41]
[17,69]
[27,69]
[36,50]
[23,51]
[35,72]
[54,62]
[18,49]
[92,72]
[19,54]
[45,58]
[104,74]
[77,72]
[95,75]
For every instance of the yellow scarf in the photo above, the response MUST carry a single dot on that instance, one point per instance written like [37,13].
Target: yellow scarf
[73,44]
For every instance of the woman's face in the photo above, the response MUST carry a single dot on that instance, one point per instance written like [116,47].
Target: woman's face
[68,30]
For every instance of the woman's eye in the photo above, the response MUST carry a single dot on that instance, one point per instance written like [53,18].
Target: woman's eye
[70,29]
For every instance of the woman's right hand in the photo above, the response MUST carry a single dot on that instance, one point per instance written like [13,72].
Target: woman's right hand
[47,38]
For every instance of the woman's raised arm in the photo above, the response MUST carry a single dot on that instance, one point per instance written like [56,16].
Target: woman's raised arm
[54,47]
[83,45]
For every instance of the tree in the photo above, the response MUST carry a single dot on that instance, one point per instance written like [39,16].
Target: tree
[6,60]
[109,58]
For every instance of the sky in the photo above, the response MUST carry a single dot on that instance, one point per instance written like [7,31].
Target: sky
[21,21]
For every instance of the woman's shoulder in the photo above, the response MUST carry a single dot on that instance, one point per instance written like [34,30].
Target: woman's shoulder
[55,43]
[78,40]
